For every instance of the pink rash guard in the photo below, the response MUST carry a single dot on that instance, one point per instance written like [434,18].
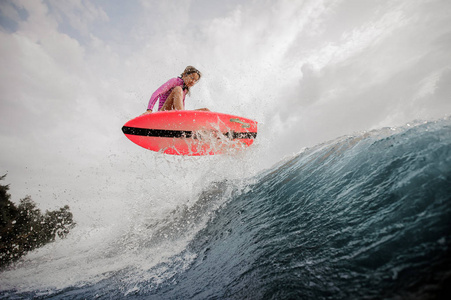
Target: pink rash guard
[164,91]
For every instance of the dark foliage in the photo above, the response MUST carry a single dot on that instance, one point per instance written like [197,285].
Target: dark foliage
[24,228]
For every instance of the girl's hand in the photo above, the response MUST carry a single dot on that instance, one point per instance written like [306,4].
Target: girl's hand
[149,111]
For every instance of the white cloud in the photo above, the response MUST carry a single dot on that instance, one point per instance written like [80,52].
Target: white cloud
[80,14]
[369,74]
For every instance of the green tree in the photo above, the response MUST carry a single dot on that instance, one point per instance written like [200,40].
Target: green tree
[25,228]
[8,210]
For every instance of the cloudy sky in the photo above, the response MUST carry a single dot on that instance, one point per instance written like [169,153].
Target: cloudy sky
[73,72]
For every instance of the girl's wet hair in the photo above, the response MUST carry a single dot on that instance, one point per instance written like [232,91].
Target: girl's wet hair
[191,70]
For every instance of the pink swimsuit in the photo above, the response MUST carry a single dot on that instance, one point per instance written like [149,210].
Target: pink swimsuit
[164,91]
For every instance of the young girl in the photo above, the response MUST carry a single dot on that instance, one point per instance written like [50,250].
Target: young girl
[172,93]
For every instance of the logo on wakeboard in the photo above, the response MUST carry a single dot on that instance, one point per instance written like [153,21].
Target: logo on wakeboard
[243,124]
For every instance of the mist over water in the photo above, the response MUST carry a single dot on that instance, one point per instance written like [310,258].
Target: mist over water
[151,221]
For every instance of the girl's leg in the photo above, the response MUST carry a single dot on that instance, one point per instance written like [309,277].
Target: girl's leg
[175,100]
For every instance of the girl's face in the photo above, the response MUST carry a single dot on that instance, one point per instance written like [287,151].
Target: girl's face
[191,79]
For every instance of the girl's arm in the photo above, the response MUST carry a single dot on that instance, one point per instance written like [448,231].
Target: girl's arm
[161,90]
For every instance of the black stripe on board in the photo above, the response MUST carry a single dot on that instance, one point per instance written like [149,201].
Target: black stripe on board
[181,133]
